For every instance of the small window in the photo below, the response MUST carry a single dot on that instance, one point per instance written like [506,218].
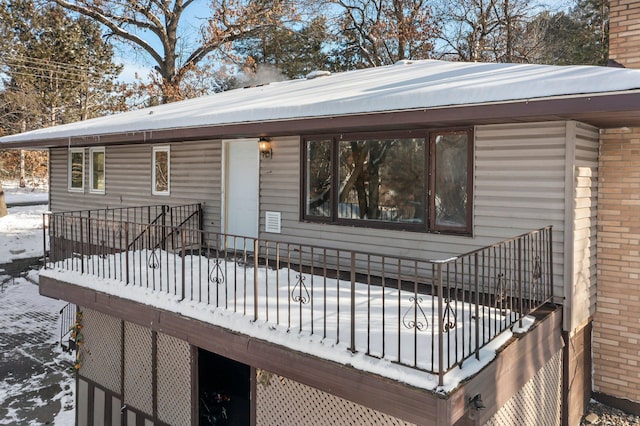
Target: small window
[97,170]
[76,169]
[161,170]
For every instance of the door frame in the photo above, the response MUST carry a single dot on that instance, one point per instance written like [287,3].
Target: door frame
[225,180]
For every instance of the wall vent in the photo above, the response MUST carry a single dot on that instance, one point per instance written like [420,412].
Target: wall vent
[272,222]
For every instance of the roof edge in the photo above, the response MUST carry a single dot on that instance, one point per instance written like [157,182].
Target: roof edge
[611,109]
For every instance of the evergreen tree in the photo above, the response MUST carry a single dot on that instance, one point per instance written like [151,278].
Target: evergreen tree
[580,36]
[58,69]
[291,50]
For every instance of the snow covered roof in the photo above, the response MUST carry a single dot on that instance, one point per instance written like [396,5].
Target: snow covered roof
[406,86]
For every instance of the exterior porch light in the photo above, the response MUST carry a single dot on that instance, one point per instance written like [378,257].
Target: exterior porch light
[264,145]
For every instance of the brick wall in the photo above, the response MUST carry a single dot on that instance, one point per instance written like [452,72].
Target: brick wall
[616,326]
[624,32]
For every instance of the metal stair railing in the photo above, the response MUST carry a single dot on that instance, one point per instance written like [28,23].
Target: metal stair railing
[67,321]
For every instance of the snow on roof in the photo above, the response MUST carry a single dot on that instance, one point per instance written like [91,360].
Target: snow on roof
[408,85]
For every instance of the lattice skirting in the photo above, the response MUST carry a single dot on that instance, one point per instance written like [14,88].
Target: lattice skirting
[174,381]
[138,367]
[100,353]
[103,365]
[538,403]
[283,402]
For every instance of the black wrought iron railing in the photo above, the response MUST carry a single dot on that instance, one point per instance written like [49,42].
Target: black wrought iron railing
[430,315]
[67,321]
[103,230]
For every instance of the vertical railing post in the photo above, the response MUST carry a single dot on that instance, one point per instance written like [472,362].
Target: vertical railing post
[126,253]
[163,222]
[353,302]
[81,247]
[44,241]
[440,331]
[520,294]
[477,307]
[183,243]
[255,279]
[550,256]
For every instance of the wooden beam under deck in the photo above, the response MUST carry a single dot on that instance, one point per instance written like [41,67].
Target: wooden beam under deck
[497,382]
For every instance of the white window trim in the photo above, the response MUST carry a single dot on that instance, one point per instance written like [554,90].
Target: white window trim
[70,169]
[91,152]
[160,148]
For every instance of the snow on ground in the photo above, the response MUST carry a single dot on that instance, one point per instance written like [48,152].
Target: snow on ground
[15,195]
[21,233]
[36,381]
[21,230]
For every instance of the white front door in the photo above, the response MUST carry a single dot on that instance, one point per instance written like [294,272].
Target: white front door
[241,165]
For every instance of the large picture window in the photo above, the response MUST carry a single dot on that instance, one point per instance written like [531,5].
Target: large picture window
[414,180]
[161,170]
[76,169]
[97,170]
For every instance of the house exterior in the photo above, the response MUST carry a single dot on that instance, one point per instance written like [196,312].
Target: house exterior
[471,194]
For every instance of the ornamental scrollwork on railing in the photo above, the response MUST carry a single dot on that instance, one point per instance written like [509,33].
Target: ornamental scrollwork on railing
[536,275]
[300,294]
[415,317]
[153,261]
[501,299]
[103,250]
[216,274]
[500,288]
[449,317]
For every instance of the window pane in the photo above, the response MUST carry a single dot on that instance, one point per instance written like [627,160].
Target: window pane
[77,172]
[162,171]
[382,180]
[318,178]
[97,181]
[451,180]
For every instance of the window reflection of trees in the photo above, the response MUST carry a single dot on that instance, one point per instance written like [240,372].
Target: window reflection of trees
[318,169]
[451,180]
[162,171]
[415,183]
[77,169]
[382,180]
[98,170]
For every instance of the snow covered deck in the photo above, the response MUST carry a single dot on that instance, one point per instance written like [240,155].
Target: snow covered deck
[425,323]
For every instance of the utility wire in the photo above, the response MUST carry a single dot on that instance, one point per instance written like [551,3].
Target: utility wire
[52,77]
[17,57]
[44,70]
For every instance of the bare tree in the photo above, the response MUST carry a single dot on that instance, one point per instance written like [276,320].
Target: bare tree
[153,26]
[381,32]
[488,30]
